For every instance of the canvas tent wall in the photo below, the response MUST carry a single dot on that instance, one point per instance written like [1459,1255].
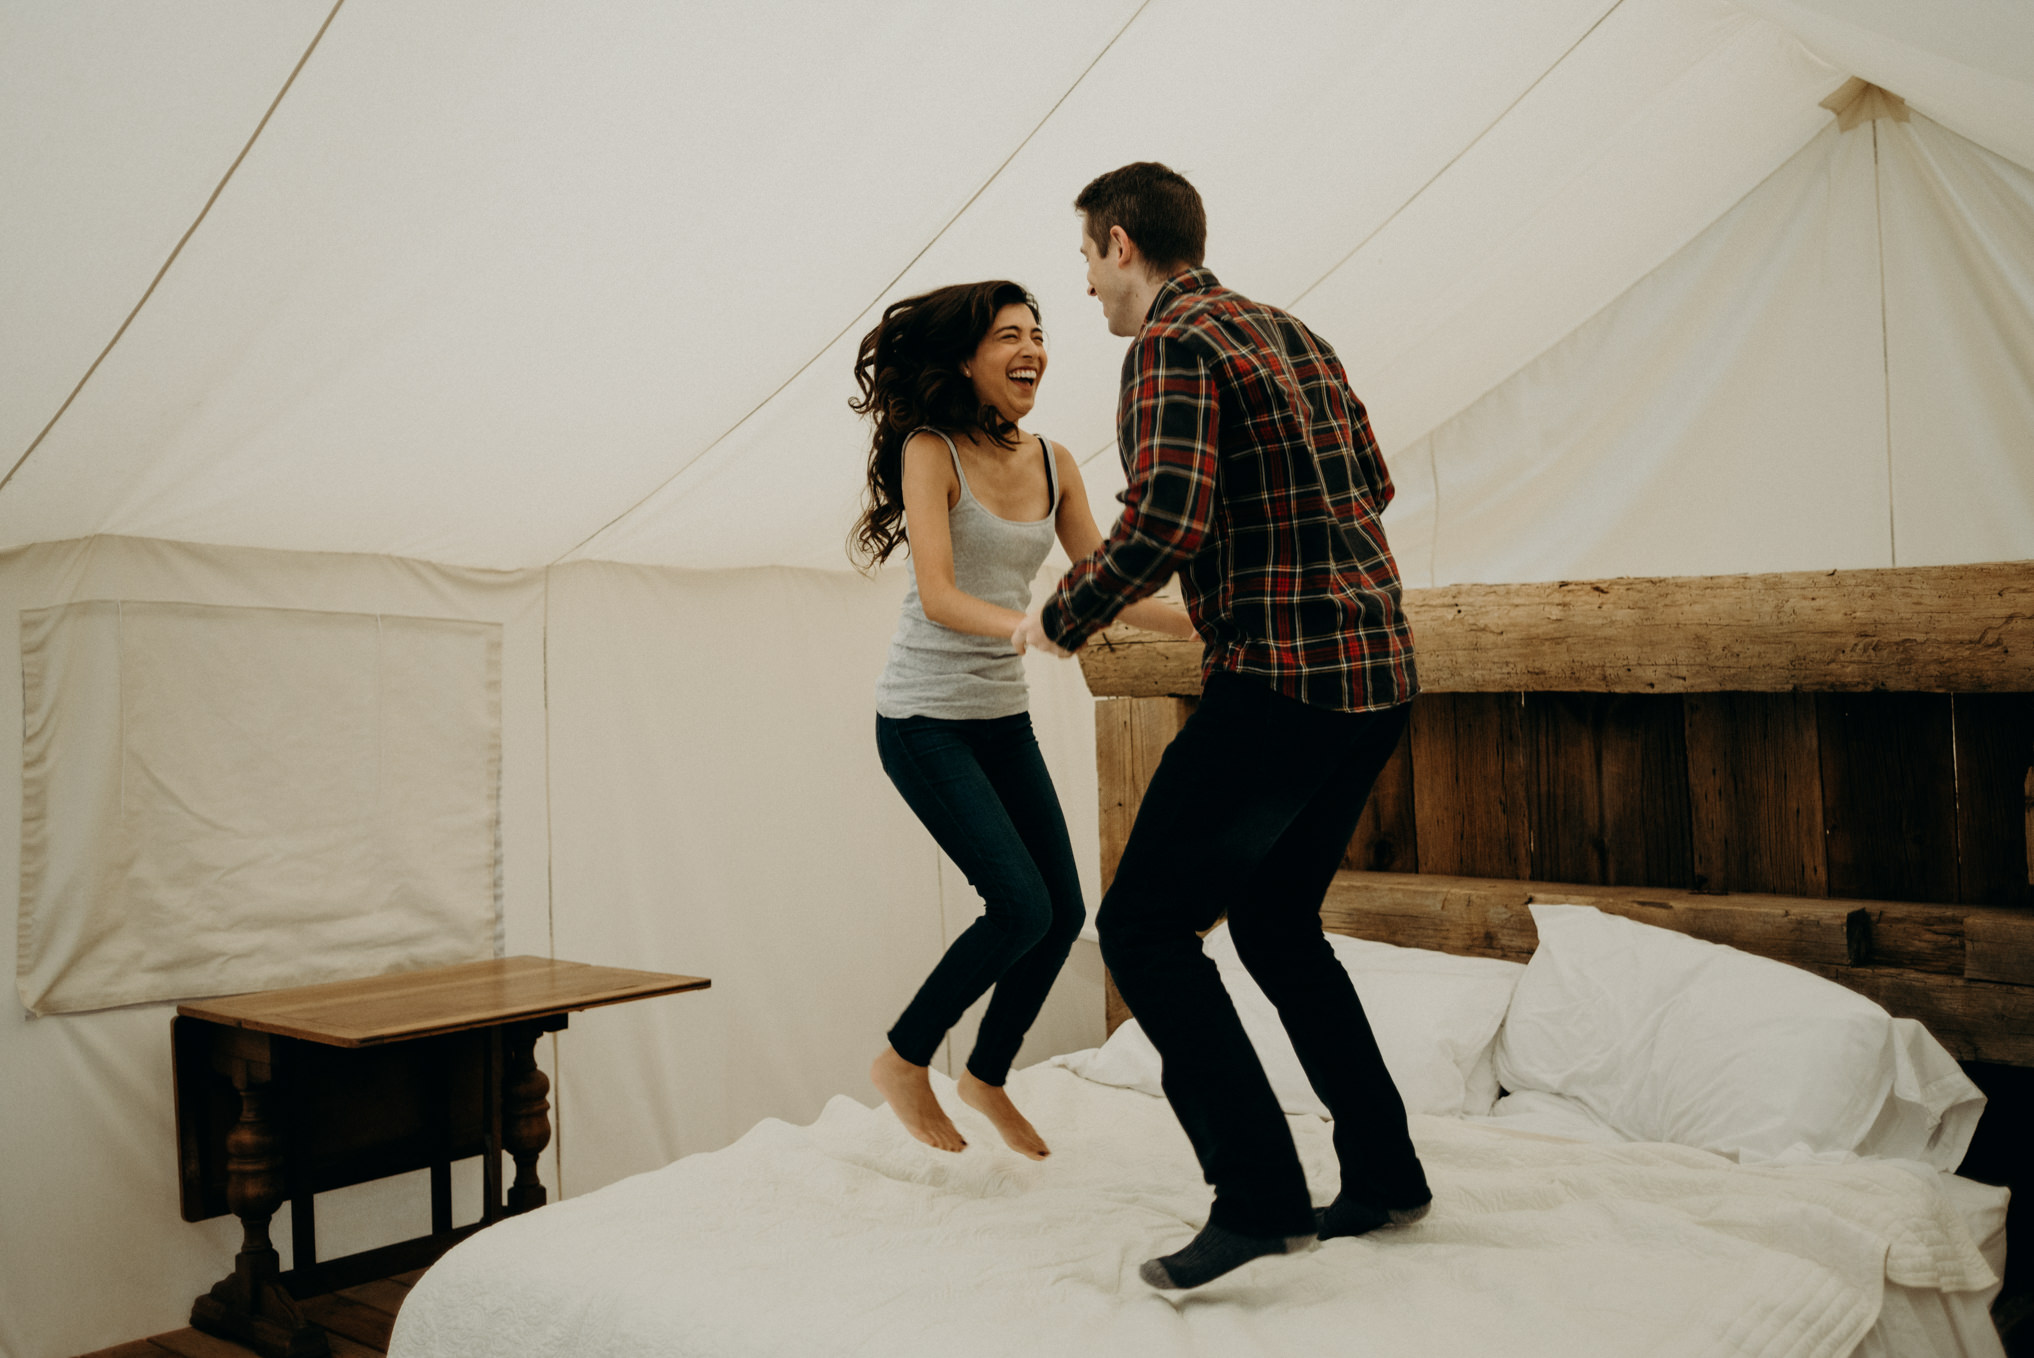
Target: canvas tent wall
[544,316]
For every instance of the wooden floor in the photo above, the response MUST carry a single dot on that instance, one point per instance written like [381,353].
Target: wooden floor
[357,1320]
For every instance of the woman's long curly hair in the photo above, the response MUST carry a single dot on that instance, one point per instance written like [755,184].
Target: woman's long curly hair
[909,370]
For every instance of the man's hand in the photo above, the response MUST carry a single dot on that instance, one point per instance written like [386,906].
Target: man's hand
[1031,634]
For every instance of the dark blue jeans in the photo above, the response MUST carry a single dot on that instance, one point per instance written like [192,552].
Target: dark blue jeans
[982,790]
[1249,813]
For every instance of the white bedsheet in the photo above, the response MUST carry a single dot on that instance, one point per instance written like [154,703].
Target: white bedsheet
[1914,1322]
[848,1237]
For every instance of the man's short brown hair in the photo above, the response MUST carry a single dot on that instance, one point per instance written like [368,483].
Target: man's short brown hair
[1155,206]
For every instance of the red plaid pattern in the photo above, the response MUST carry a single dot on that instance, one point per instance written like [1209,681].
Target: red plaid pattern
[1252,472]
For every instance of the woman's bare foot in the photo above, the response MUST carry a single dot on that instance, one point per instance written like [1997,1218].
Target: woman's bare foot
[908,1091]
[992,1103]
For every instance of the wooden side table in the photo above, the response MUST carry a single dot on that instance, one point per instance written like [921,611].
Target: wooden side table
[288,1093]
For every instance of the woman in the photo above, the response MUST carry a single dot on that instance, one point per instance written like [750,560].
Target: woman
[947,378]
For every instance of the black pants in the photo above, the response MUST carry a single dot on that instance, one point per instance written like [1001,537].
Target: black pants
[982,790]
[1250,812]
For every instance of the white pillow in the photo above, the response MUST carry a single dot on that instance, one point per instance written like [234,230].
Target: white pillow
[1669,1038]
[1435,1018]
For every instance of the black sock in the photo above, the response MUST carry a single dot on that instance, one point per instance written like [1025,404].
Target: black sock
[1347,1216]
[1214,1252]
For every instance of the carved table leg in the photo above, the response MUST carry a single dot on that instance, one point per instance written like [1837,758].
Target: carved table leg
[525,1130]
[249,1305]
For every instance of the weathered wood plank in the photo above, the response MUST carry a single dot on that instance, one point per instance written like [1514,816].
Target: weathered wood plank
[1113,784]
[384,1294]
[1469,785]
[1994,755]
[198,1344]
[1122,661]
[1975,1020]
[1387,835]
[1114,1011]
[1985,1016]
[1467,916]
[341,1315]
[1607,788]
[1918,935]
[1888,795]
[1130,738]
[140,1348]
[1961,629]
[1755,793]
[1488,917]
[1999,945]
[1491,918]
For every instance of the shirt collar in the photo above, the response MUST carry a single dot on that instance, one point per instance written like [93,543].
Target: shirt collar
[1181,283]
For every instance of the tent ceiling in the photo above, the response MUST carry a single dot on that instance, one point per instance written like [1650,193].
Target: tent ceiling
[503,284]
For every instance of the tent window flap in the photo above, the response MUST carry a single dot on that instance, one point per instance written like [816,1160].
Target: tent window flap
[217,800]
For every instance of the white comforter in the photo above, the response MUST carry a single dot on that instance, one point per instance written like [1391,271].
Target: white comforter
[848,1237]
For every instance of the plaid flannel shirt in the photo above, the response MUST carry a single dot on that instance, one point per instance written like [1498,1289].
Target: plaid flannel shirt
[1252,472]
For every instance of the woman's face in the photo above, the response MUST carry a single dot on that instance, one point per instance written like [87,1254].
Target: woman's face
[1010,362]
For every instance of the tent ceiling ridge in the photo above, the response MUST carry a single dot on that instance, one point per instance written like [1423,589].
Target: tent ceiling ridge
[1858,100]
[874,302]
[178,249]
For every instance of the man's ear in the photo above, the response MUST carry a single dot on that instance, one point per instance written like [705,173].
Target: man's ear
[1120,244]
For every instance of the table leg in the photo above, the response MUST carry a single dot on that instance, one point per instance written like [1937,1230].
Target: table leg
[525,1127]
[249,1304]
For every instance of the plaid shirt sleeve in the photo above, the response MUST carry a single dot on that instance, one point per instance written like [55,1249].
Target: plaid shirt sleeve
[1166,434]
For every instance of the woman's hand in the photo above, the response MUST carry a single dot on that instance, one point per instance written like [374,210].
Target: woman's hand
[1031,632]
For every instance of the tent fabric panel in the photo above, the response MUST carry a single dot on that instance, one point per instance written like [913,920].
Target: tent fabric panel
[1727,414]
[1648,132]
[1277,222]
[492,268]
[1960,345]
[1627,146]
[774,491]
[109,151]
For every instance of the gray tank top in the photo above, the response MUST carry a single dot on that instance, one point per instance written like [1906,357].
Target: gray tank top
[935,671]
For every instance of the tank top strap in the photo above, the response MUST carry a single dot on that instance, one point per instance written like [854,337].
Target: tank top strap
[1051,475]
[951,451]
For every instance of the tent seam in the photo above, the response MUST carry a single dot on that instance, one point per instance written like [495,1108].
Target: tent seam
[1885,347]
[550,887]
[178,250]
[1472,144]
[845,330]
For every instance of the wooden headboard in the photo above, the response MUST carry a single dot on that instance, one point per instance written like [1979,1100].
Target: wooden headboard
[1831,769]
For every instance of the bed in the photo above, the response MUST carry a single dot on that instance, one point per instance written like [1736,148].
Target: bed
[1718,1149]
[1553,1234]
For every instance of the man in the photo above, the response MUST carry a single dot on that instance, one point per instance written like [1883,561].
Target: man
[1252,472]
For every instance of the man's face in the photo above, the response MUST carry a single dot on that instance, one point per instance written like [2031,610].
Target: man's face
[1111,284]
